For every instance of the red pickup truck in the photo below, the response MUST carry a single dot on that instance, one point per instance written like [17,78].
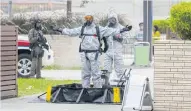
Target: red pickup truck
[25,59]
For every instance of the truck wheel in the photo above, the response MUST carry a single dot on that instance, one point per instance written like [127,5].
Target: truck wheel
[24,65]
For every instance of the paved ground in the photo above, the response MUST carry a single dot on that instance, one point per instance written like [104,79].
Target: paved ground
[31,103]
[22,104]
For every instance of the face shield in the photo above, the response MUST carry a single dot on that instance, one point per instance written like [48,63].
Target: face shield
[112,21]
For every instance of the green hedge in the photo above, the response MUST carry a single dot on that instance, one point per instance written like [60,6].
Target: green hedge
[23,21]
[180,20]
[162,24]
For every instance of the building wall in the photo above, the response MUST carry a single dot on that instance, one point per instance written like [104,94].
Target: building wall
[172,76]
[66,51]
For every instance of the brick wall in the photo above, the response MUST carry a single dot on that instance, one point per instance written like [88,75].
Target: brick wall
[172,78]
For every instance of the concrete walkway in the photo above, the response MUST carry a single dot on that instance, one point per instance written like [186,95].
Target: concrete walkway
[76,74]
[28,103]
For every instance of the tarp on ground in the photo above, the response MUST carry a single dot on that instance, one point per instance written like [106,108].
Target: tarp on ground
[74,93]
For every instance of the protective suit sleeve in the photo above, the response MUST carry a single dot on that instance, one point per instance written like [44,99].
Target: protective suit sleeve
[106,31]
[32,37]
[119,37]
[72,32]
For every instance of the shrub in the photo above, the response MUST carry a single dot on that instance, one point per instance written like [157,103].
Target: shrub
[162,24]
[50,18]
[180,20]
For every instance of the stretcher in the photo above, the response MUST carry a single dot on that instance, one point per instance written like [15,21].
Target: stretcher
[132,92]
[74,93]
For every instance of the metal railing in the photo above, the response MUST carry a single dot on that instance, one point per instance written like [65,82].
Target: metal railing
[128,46]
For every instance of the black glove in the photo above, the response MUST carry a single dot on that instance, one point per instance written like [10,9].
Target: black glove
[127,28]
[46,46]
[56,29]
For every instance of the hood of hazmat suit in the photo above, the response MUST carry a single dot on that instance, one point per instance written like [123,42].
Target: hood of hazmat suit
[115,43]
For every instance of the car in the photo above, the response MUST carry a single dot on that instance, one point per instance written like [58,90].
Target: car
[25,59]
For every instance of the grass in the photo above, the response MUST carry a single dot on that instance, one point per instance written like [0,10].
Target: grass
[53,67]
[58,67]
[35,86]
